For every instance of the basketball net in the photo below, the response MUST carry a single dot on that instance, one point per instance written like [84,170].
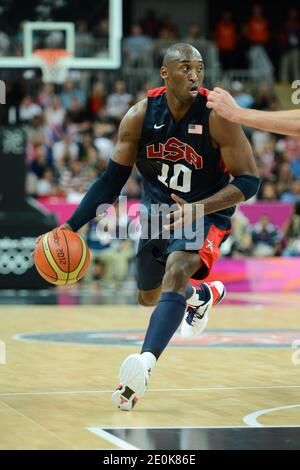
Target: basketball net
[54,64]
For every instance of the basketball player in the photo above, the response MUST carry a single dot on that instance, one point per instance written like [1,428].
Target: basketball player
[279,122]
[187,155]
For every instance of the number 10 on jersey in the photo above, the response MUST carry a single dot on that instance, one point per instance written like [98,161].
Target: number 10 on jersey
[180,180]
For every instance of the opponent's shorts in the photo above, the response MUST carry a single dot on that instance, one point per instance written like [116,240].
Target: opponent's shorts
[153,253]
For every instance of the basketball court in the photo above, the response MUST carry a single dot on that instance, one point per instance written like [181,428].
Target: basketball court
[62,365]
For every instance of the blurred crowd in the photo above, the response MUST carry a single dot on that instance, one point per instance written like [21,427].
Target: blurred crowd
[72,131]
[71,136]
[231,43]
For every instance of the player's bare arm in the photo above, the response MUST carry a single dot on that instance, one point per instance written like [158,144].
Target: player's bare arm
[237,155]
[238,158]
[280,122]
[129,135]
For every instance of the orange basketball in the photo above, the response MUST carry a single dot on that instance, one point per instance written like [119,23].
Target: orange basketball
[61,257]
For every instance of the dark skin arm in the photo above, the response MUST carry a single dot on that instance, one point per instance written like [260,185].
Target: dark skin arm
[129,135]
[238,158]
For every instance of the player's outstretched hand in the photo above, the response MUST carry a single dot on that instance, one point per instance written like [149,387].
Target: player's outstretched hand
[63,227]
[223,103]
[183,216]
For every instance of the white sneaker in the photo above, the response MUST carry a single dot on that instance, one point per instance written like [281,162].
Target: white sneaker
[133,383]
[196,318]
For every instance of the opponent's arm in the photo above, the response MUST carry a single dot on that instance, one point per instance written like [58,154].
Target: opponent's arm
[238,158]
[108,186]
[280,122]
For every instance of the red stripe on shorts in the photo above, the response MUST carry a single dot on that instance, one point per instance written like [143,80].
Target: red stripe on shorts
[210,250]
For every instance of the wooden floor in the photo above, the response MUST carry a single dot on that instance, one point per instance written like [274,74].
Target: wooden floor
[58,395]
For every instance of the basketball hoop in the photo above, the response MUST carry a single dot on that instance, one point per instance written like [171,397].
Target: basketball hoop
[54,64]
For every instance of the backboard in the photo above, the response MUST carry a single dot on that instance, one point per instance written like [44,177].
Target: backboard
[91,31]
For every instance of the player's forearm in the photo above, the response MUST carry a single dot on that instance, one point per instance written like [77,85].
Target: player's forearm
[280,122]
[104,190]
[223,199]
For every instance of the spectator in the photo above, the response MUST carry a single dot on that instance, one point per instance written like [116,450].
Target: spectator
[70,93]
[4,44]
[78,115]
[114,253]
[40,162]
[45,183]
[243,99]
[137,48]
[29,109]
[266,238]
[74,177]
[265,97]
[292,233]
[226,40]
[292,195]
[55,40]
[258,28]
[239,242]
[290,41]
[106,145]
[65,149]
[166,37]
[46,95]
[101,33]
[55,113]
[266,159]
[295,167]
[83,40]
[98,270]
[207,48]
[85,144]
[284,174]
[97,100]
[119,101]
[151,24]
[268,192]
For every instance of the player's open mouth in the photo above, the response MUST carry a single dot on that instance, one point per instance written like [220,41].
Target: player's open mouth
[193,90]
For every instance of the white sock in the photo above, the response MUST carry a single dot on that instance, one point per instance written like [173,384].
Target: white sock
[149,360]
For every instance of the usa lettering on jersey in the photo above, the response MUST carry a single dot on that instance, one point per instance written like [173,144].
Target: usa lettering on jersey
[174,150]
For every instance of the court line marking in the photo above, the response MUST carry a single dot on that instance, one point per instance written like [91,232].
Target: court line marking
[198,427]
[68,444]
[107,436]
[251,418]
[153,390]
